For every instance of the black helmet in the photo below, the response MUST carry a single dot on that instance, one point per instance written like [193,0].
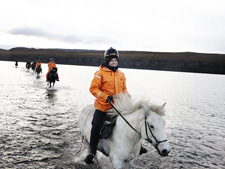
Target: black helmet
[51,59]
[111,52]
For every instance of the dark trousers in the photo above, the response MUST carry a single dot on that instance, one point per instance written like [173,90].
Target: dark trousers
[96,122]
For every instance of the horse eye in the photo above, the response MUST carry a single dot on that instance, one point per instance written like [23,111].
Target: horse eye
[151,126]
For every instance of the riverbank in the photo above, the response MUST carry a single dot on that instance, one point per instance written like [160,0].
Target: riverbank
[180,61]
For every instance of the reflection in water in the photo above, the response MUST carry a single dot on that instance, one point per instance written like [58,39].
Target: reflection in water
[51,95]
[38,77]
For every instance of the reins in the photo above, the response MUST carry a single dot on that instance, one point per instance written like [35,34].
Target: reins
[147,139]
[124,118]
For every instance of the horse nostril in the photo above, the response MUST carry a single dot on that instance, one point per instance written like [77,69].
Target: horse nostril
[164,152]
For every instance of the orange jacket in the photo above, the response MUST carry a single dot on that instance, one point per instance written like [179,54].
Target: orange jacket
[38,64]
[105,83]
[51,65]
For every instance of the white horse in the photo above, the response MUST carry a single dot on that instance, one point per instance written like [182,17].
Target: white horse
[124,144]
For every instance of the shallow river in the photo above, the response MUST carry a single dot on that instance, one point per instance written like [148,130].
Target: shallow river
[39,129]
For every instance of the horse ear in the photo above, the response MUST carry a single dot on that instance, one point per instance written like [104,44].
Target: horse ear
[146,109]
[163,105]
[161,108]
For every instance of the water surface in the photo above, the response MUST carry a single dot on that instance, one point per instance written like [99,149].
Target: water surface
[38,127]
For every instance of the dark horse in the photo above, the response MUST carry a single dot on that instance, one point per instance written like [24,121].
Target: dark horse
[38,70]
[28,65]
[33,65]
[52,76]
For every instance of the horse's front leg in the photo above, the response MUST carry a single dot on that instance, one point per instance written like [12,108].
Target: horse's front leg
[117,162]
[127,164]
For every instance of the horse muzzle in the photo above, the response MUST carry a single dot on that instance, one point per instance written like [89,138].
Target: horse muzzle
[163,150]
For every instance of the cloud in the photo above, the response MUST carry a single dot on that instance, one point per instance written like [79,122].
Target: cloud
[70,38]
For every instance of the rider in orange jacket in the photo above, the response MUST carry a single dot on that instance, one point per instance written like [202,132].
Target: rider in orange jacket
[51,65]
[107,81]
[38,64]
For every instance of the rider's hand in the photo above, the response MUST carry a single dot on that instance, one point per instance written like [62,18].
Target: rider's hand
[109,98]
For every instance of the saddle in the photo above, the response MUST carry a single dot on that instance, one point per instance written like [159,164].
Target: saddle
[107,126]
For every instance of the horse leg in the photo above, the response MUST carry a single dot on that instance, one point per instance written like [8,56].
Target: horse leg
[127,164]
[117,162]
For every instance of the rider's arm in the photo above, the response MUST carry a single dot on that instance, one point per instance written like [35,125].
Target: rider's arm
[49,66]
[95,87]
[124,85]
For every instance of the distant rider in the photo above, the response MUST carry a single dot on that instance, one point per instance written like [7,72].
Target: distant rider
[51,65]
[38,64]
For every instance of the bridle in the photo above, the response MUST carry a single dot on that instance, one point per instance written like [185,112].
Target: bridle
[148,138]
[146,126]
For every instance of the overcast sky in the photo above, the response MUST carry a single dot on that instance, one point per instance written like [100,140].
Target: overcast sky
[143,25]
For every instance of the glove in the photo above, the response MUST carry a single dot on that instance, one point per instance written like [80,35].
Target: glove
[109,98]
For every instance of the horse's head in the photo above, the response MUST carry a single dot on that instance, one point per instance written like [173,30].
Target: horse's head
[54,70]
[154,128]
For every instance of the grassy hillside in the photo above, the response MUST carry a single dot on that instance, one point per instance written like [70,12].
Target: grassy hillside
[184,61]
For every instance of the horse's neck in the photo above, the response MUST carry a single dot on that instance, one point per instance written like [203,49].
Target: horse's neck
[136,119]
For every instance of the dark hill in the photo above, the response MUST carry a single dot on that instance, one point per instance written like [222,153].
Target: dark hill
[182,61]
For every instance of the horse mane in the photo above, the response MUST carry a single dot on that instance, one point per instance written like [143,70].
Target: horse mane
[126,105]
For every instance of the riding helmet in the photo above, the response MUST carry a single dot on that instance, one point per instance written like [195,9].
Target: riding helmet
[110,54]
[52,59]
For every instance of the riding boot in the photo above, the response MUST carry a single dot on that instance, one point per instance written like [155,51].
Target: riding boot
[96,122]
[90,157]
[143,150]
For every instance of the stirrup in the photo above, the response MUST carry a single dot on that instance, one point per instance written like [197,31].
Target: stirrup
[89,158]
